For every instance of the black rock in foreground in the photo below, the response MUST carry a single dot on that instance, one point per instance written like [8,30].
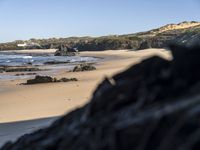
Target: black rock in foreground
[154,105]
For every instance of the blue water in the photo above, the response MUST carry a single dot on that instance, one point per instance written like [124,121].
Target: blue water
[22,60]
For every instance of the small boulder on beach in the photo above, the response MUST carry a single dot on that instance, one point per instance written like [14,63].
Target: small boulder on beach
[84,67]
[66,79]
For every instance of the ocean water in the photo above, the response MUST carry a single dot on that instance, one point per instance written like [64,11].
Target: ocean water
[39,61]
[23,60]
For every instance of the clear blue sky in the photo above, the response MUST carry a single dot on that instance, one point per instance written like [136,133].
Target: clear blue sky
[25,19]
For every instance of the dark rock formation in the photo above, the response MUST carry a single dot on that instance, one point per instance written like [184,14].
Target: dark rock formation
[64,50]
[188,39]
[40,79]
[154,105]
[84,67]
[65,80]
[47,79]
[56,62]
[109,43]
[25,74]
[19,69]
[145,45]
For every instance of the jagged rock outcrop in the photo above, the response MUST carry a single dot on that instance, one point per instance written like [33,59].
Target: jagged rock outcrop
[18,69]
[64,50]
[109,43]
[145,45]
[154,105]
[190,38]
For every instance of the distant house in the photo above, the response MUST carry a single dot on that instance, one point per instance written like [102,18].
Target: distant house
[30,44]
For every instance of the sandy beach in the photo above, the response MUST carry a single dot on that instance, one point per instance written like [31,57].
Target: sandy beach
[24,108]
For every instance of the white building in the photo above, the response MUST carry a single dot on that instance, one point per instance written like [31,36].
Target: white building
[22,45]
[28,44]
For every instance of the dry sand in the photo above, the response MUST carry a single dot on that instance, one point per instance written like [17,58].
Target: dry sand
[23,107]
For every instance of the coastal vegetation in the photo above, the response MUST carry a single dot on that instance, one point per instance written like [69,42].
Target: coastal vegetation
[156,38]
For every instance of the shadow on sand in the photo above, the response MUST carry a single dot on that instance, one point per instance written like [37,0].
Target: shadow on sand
[12,130]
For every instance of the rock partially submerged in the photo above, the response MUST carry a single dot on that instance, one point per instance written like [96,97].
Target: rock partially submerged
[47,79]
[65,50]
[18,69]
[84,67]
[25,74]
[56,62]
[154,105]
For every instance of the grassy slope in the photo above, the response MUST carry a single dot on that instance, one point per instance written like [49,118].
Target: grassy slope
[155,38]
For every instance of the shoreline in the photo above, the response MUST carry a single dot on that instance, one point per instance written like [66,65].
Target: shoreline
[21,103]
[21,65]
[112,63]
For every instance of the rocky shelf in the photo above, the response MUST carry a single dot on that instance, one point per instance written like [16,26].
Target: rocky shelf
[47,79]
